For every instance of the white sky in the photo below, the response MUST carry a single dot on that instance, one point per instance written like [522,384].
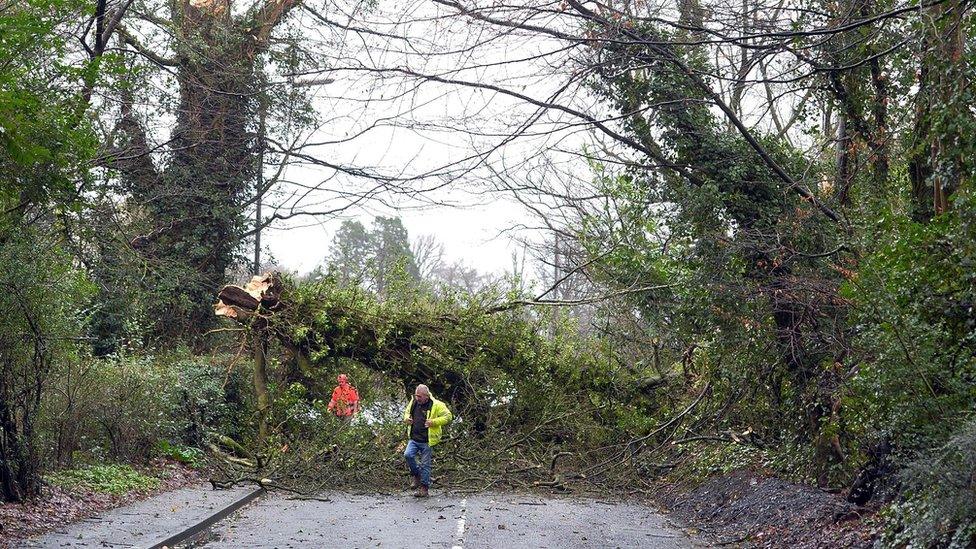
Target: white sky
[393,125]
[474,234]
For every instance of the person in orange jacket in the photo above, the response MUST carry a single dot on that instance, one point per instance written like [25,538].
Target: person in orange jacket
[345,399]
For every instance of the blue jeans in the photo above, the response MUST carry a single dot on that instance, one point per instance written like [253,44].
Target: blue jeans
[426,458]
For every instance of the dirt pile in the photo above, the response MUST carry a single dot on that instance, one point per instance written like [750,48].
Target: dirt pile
[751,510]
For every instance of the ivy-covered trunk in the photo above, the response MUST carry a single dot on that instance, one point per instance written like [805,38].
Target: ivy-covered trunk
[212,167]
[195,204]
[943,118]
[19,468]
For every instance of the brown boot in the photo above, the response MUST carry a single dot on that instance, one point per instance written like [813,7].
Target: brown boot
[416,482]
[421,492]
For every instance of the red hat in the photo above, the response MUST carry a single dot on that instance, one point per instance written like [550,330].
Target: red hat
[343,378]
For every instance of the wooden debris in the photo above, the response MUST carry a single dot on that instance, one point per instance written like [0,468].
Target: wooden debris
[240,302]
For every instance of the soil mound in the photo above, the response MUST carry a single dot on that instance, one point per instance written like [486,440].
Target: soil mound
[748,509]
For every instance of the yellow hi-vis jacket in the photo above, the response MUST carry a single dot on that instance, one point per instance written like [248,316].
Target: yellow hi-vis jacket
[439,416]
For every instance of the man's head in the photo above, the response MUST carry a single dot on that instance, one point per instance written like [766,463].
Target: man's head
[343,379]
[421,394]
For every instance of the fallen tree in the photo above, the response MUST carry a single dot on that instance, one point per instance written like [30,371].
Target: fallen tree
[535,408]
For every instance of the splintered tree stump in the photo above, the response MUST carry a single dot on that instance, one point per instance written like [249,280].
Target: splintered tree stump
[238,302]
[238,297]
[261,292]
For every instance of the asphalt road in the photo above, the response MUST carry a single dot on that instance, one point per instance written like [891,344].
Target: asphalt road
[344,520]
[445,520]
[141,524]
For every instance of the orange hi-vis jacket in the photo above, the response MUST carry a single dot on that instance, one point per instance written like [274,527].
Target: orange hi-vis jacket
[344,399]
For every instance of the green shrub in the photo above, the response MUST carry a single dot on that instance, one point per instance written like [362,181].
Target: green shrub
[112,479]
[120,408]
[134,409]
[915,327]
[939,509]
[40,329]
[208,394]
[188,455]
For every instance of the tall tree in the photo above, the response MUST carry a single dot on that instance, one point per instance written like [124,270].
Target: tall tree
[44,150]
[392,256]
[374,257]
[351,252]
[193,206]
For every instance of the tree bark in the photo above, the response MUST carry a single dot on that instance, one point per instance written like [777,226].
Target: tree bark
[260,379]
[935,167]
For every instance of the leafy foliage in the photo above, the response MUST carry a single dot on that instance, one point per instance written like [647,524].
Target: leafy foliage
[114,479]
[917,326]
[940,509]
[189,455]
[131,408]
[43,140]
[41,323]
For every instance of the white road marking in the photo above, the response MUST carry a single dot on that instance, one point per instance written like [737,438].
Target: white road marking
[459,537]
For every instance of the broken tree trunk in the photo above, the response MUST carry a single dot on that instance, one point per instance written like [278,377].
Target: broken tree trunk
[247,304]
[261,384]
[240,302]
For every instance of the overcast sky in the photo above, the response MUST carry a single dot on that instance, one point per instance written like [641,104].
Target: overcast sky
[478,235]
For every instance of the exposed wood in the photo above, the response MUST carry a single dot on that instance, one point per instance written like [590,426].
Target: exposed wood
[238,297]
[238,302]
[262,292]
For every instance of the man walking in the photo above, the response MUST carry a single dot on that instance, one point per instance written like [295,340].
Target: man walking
[345,399]
[426,416]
